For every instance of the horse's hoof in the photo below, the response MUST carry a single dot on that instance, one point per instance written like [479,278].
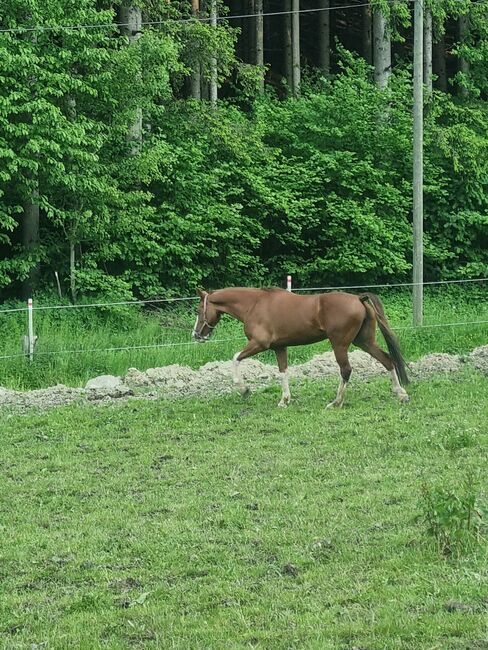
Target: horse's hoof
[245,392]
[283,404]
[404,399]
[334,405]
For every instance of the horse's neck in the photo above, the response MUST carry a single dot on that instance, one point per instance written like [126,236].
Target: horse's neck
[235,302]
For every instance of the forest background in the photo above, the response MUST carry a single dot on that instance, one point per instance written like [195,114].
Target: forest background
[146,150]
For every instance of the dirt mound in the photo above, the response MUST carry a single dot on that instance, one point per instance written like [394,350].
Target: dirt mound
[434,364]
[215,378]
[479,358]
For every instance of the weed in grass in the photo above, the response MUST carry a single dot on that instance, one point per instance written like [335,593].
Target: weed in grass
[453,517]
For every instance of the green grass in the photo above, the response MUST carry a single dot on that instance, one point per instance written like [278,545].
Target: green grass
[98,328]
[202,524]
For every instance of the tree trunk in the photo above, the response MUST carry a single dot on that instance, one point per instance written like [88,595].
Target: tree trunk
[428,51]
[213,60]
[130,19]
[241,23]
[259,39]
[463,31]
[195,90]
[287,39]
[367,28]
[382,49]
[439,64]
[296,47]
[251,32]
[324,36]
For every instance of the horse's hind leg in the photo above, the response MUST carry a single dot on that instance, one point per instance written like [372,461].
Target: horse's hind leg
[282,358]
[251,348]
[340,352]
[367,342]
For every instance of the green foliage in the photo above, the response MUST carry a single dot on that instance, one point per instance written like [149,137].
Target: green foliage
[243,194]
[453,517]
[456,188]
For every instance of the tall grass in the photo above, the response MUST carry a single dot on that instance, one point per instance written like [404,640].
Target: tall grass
[72,345]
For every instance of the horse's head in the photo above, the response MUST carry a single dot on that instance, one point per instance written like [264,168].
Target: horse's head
[207,318]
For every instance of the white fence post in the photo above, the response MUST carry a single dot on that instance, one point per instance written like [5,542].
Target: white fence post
[288,282]
[30,315]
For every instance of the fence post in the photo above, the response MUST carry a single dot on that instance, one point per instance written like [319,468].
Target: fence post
[30,320]
[288,282]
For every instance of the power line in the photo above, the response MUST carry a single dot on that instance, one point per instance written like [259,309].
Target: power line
[101,304]
[398,284]
[118,349]
[214,341]
[201,19]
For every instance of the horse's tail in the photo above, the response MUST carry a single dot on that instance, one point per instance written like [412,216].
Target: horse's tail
[389,336]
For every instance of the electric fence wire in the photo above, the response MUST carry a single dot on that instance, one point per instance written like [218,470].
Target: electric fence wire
[215,341]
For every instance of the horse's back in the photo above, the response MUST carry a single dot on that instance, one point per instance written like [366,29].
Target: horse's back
[286,318]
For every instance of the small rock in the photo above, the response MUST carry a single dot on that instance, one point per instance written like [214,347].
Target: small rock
[104,382]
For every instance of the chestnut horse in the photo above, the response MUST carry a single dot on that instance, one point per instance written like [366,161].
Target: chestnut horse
[274,319]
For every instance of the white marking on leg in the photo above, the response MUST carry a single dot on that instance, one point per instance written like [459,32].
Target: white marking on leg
[285,386]
[195,327]
[399,391]
[337,403]
[236,375]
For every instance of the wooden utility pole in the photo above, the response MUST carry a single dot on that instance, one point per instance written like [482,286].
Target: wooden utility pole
[296,47]
[213,60]
[418,118]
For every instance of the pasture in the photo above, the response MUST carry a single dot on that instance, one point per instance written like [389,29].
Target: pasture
[223,523]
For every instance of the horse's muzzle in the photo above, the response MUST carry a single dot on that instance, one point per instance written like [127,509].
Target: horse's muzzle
[199,338]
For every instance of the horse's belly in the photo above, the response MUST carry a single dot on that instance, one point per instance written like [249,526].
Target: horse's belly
[299,339]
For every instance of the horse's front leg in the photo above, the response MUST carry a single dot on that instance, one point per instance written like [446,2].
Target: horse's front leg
[282,359]
[252,348]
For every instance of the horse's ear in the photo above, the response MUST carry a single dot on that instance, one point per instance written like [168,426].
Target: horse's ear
[202,293]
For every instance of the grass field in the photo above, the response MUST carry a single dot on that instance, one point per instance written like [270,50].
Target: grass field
[93,329]
[212,524]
